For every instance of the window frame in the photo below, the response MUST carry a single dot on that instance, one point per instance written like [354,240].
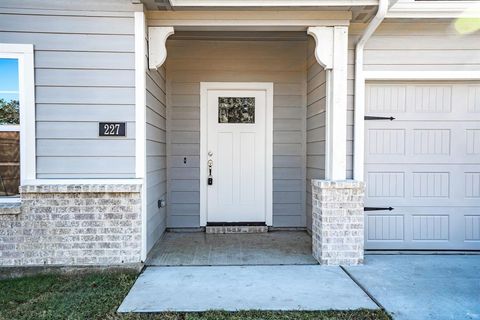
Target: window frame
[26,96]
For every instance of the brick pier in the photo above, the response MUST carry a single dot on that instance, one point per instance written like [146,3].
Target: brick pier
[337,222]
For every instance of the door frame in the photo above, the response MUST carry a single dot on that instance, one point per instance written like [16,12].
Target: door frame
[267,87]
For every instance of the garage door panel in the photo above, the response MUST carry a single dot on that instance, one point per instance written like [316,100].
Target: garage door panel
[425,164]
[424,228]
[422,184]
[402,141]
[423,100]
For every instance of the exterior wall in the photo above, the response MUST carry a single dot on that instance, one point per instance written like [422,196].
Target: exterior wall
[84,73]
[411,46]
[316,93]
[156,180]
[73,225]
[419,46]
[190,62]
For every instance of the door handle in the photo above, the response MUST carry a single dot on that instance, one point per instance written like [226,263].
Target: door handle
[210,178]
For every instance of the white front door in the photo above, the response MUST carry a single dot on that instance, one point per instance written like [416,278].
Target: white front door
[236,155]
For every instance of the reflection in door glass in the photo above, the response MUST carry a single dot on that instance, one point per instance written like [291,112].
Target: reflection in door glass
[9,128]
[236,110]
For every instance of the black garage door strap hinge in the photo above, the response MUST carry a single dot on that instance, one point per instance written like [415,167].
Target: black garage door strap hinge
[378,118]
[377,209]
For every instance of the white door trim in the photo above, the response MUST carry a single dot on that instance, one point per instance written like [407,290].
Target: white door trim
[260,86]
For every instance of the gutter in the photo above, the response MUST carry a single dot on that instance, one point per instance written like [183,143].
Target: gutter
[359,100]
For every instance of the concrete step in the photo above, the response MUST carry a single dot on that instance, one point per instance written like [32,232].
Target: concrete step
[236,229]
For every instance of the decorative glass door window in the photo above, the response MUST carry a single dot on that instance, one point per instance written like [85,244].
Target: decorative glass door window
[9,128]
[236,110]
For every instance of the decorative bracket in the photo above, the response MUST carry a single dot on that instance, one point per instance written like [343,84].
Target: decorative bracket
[157,50]
[323,45]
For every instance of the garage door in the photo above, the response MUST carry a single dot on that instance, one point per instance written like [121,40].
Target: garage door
[422,169]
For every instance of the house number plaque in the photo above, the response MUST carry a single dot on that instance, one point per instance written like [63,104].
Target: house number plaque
[111,129]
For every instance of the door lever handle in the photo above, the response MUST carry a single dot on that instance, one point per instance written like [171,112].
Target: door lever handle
[210,178]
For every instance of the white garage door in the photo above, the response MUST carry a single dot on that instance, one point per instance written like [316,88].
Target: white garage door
[425,164]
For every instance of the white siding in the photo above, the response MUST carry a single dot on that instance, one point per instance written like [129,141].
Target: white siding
[316,93]
[84,73]
[281,62]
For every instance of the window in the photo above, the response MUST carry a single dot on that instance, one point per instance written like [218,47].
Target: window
[17,119]
[9,128]
[236,110]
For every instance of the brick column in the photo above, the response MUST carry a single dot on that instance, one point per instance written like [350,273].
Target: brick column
[337,222]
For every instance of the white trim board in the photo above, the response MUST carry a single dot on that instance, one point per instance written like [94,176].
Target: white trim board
[26,81]
[140,120]
[271,3]
[37,182]
[247,20]
[140,95]
[260,86]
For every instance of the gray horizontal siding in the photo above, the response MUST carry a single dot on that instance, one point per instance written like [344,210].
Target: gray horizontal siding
[315,126]
[156,110]
[421,46]
[68,8]
[280,62]
[84,73]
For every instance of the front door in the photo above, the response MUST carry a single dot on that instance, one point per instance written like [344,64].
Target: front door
[236,155]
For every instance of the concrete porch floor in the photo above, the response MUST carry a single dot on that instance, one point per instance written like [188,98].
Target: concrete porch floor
[201,249]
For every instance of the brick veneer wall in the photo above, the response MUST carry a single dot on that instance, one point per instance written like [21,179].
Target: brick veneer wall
[337,222]
[73,225]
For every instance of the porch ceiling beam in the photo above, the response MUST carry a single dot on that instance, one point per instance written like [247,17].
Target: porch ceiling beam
[157,50]
[245,19]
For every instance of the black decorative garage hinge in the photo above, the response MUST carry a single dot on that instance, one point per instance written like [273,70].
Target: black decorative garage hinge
[377,209]
[378,118]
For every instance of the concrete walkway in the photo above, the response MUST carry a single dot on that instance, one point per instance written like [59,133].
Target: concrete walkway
[409,287]
[423,287]
[231,288]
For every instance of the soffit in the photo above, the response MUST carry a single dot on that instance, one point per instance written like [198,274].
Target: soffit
[361,10]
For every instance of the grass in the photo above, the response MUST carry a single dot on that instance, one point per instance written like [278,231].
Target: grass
[97,295]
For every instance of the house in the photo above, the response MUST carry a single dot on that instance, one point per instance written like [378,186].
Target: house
[357,120]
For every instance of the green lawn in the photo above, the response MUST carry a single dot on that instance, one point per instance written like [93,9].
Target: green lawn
[97,296]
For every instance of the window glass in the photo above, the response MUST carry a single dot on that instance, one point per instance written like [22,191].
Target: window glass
[9,128]
[236,110]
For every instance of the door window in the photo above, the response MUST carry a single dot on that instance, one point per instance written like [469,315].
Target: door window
[236,110]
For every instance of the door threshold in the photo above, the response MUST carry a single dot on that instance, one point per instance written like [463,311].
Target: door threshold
[236,224]
[223,228]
